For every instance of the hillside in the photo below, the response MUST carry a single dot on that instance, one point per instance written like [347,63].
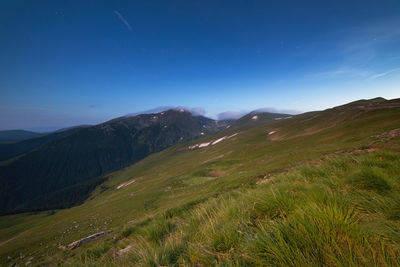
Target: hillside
[70,164]
[320,188]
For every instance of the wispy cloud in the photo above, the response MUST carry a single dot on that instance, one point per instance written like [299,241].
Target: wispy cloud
[226,115]
[379,75]
[361,45]
[362,50]
[238,114]
[123,20]
[197,111]
[229,115]
[276,110]
[340,73]
[349,73]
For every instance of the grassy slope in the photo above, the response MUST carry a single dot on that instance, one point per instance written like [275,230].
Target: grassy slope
[204,206]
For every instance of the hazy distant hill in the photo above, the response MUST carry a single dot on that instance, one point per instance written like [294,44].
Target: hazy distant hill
[12,149]
[17,135]
[61,172]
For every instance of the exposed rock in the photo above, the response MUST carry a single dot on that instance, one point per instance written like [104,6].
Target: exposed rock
[264,179]
[123,251]
[390,134]
[82,241]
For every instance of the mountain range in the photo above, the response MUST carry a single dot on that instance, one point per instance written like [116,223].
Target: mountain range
[314,189]
[60,169]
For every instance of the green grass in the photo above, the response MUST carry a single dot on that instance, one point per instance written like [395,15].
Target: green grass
[311,220]
[314,194]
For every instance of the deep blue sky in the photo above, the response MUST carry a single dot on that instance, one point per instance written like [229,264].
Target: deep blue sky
[64,63]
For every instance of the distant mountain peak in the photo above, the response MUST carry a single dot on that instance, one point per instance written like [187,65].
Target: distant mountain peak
[196,111]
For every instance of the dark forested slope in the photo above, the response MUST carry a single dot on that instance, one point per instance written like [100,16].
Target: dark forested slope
[63,172]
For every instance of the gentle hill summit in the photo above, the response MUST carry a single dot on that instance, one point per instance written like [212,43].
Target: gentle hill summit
[256,118]
[61,172]
[377,102]
[365,102]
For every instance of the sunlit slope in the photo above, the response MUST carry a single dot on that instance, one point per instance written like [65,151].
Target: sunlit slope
[181,179]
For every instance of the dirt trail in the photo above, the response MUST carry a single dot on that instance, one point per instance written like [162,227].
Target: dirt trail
[10,239]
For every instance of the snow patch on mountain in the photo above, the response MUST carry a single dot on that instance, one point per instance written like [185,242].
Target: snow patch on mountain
[126,184]
[212,142]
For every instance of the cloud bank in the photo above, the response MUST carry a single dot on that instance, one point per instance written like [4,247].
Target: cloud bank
[197,111]
[231,115]
[234,115]
[226,115]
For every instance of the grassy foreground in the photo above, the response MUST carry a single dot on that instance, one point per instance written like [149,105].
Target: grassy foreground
[345,212]
[323,189]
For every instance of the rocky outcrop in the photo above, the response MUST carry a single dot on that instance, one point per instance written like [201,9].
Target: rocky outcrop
[82,241]
[123,251]
[390,134]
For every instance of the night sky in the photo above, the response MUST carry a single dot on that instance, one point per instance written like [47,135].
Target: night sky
[65,63]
